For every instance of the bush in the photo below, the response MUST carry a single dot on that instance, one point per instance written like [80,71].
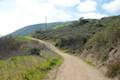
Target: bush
[113,69]
[35,51]
[83,21]
[9,43]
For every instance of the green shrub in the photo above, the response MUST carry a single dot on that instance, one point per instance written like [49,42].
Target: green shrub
[35,51]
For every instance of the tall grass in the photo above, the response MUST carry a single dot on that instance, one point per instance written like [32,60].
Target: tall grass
[26,67]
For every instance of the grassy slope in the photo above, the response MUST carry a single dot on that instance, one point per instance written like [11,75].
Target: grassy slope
[29,67]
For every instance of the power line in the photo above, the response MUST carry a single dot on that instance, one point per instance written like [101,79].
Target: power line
[46,23]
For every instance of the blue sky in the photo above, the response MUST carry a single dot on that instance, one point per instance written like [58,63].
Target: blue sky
[15,14]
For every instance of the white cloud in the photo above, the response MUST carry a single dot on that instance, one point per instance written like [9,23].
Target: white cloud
[113,6]
[30,12]
[92,15]
[27,12]
[40,10]
[64,3]
[87,6]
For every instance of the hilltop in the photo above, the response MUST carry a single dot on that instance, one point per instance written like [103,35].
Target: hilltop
[27,30]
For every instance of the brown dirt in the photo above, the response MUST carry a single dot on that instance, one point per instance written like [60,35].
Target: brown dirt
[74,68]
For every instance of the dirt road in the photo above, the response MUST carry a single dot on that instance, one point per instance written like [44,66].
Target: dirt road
[74,68]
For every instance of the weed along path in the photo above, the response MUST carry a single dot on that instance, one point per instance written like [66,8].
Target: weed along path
[74,68]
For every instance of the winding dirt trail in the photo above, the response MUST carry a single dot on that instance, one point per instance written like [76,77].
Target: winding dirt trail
[74,68]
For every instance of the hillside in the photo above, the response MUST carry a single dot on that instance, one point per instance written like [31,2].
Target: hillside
[31,28]
[22,58]
[73,36]
[96,41]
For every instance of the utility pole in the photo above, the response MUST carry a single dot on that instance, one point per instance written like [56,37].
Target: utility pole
[46,23]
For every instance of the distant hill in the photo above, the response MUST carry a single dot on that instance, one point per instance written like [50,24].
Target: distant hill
[32,28]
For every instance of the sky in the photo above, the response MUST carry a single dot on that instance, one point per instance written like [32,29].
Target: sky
[15,14]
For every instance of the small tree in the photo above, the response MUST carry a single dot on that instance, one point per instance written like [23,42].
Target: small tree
[83,21]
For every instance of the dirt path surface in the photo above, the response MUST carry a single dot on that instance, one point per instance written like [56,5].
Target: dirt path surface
[74,68]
